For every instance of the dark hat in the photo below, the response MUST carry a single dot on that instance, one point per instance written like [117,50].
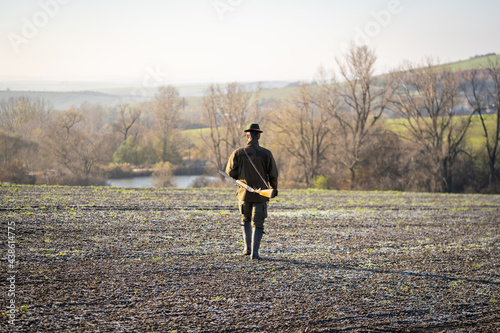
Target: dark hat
[253,128]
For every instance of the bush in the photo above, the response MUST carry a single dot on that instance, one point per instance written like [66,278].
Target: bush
[320,182]
[162,176]
[118,170]
[130,152]
[73,180]
[15,172]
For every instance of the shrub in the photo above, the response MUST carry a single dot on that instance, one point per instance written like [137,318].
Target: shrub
[130,152]
[162,176]
[118,170]
[320,182]
[201,181]
[15,172]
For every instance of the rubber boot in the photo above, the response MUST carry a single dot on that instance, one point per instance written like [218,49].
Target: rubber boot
[246,230]
[256,237]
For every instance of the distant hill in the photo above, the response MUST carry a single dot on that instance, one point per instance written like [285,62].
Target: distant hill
[64,100]
[476,62]
[110,96]
[107,95]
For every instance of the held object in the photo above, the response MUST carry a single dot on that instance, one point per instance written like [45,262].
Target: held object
[265,193]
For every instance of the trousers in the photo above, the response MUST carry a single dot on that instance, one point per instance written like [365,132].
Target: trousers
[256,212]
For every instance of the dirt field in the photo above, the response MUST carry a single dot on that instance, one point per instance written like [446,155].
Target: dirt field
[106,259]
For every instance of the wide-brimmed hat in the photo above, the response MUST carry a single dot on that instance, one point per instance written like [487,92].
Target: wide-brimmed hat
[253,128]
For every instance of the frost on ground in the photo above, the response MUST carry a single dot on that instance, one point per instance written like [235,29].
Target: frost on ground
[163,260]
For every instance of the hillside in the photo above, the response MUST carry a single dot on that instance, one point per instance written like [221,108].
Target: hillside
[64,100]
[475,135]
[473,63]
[193,93]
[110,96]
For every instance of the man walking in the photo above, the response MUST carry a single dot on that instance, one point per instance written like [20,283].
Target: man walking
[255,166]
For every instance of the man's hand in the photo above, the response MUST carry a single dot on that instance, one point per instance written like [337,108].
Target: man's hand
[274,194]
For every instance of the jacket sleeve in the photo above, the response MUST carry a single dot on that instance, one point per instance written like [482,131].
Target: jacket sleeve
[272,172]
[232,166]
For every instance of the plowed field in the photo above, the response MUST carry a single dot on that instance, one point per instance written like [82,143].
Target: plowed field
[104,259]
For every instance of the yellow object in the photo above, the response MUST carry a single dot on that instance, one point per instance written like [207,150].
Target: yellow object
[265,193]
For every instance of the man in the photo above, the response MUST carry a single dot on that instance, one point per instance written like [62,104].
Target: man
[255,166]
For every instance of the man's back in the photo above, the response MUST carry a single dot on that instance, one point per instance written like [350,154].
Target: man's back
[262,174]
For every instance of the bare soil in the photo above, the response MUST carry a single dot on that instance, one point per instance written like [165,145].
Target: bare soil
[103,259]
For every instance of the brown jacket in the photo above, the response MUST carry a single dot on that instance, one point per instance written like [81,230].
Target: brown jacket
[239,167]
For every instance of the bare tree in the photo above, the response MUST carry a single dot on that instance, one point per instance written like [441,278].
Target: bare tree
[24,120]
[482,88]
[226,110]
[216,136]
[364,103]
[256,113]
[427,98]
[25,116]
[76,147]
[167,107]
[128,116]
[493,138]
[304,123]
[97,117]
[68,119]
[232,104]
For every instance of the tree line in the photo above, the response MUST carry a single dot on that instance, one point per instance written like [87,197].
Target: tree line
[406,130]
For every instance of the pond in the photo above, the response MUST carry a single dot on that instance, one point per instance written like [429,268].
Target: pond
[147,181]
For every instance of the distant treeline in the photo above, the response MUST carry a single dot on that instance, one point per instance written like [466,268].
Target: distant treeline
[483,55]
[442,136]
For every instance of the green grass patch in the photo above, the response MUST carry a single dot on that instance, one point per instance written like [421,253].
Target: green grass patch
[476,63]
[475,134]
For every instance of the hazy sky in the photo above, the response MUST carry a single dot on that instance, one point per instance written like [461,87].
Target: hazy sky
[195,41]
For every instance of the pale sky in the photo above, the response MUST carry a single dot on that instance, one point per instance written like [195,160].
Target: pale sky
[204,41]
